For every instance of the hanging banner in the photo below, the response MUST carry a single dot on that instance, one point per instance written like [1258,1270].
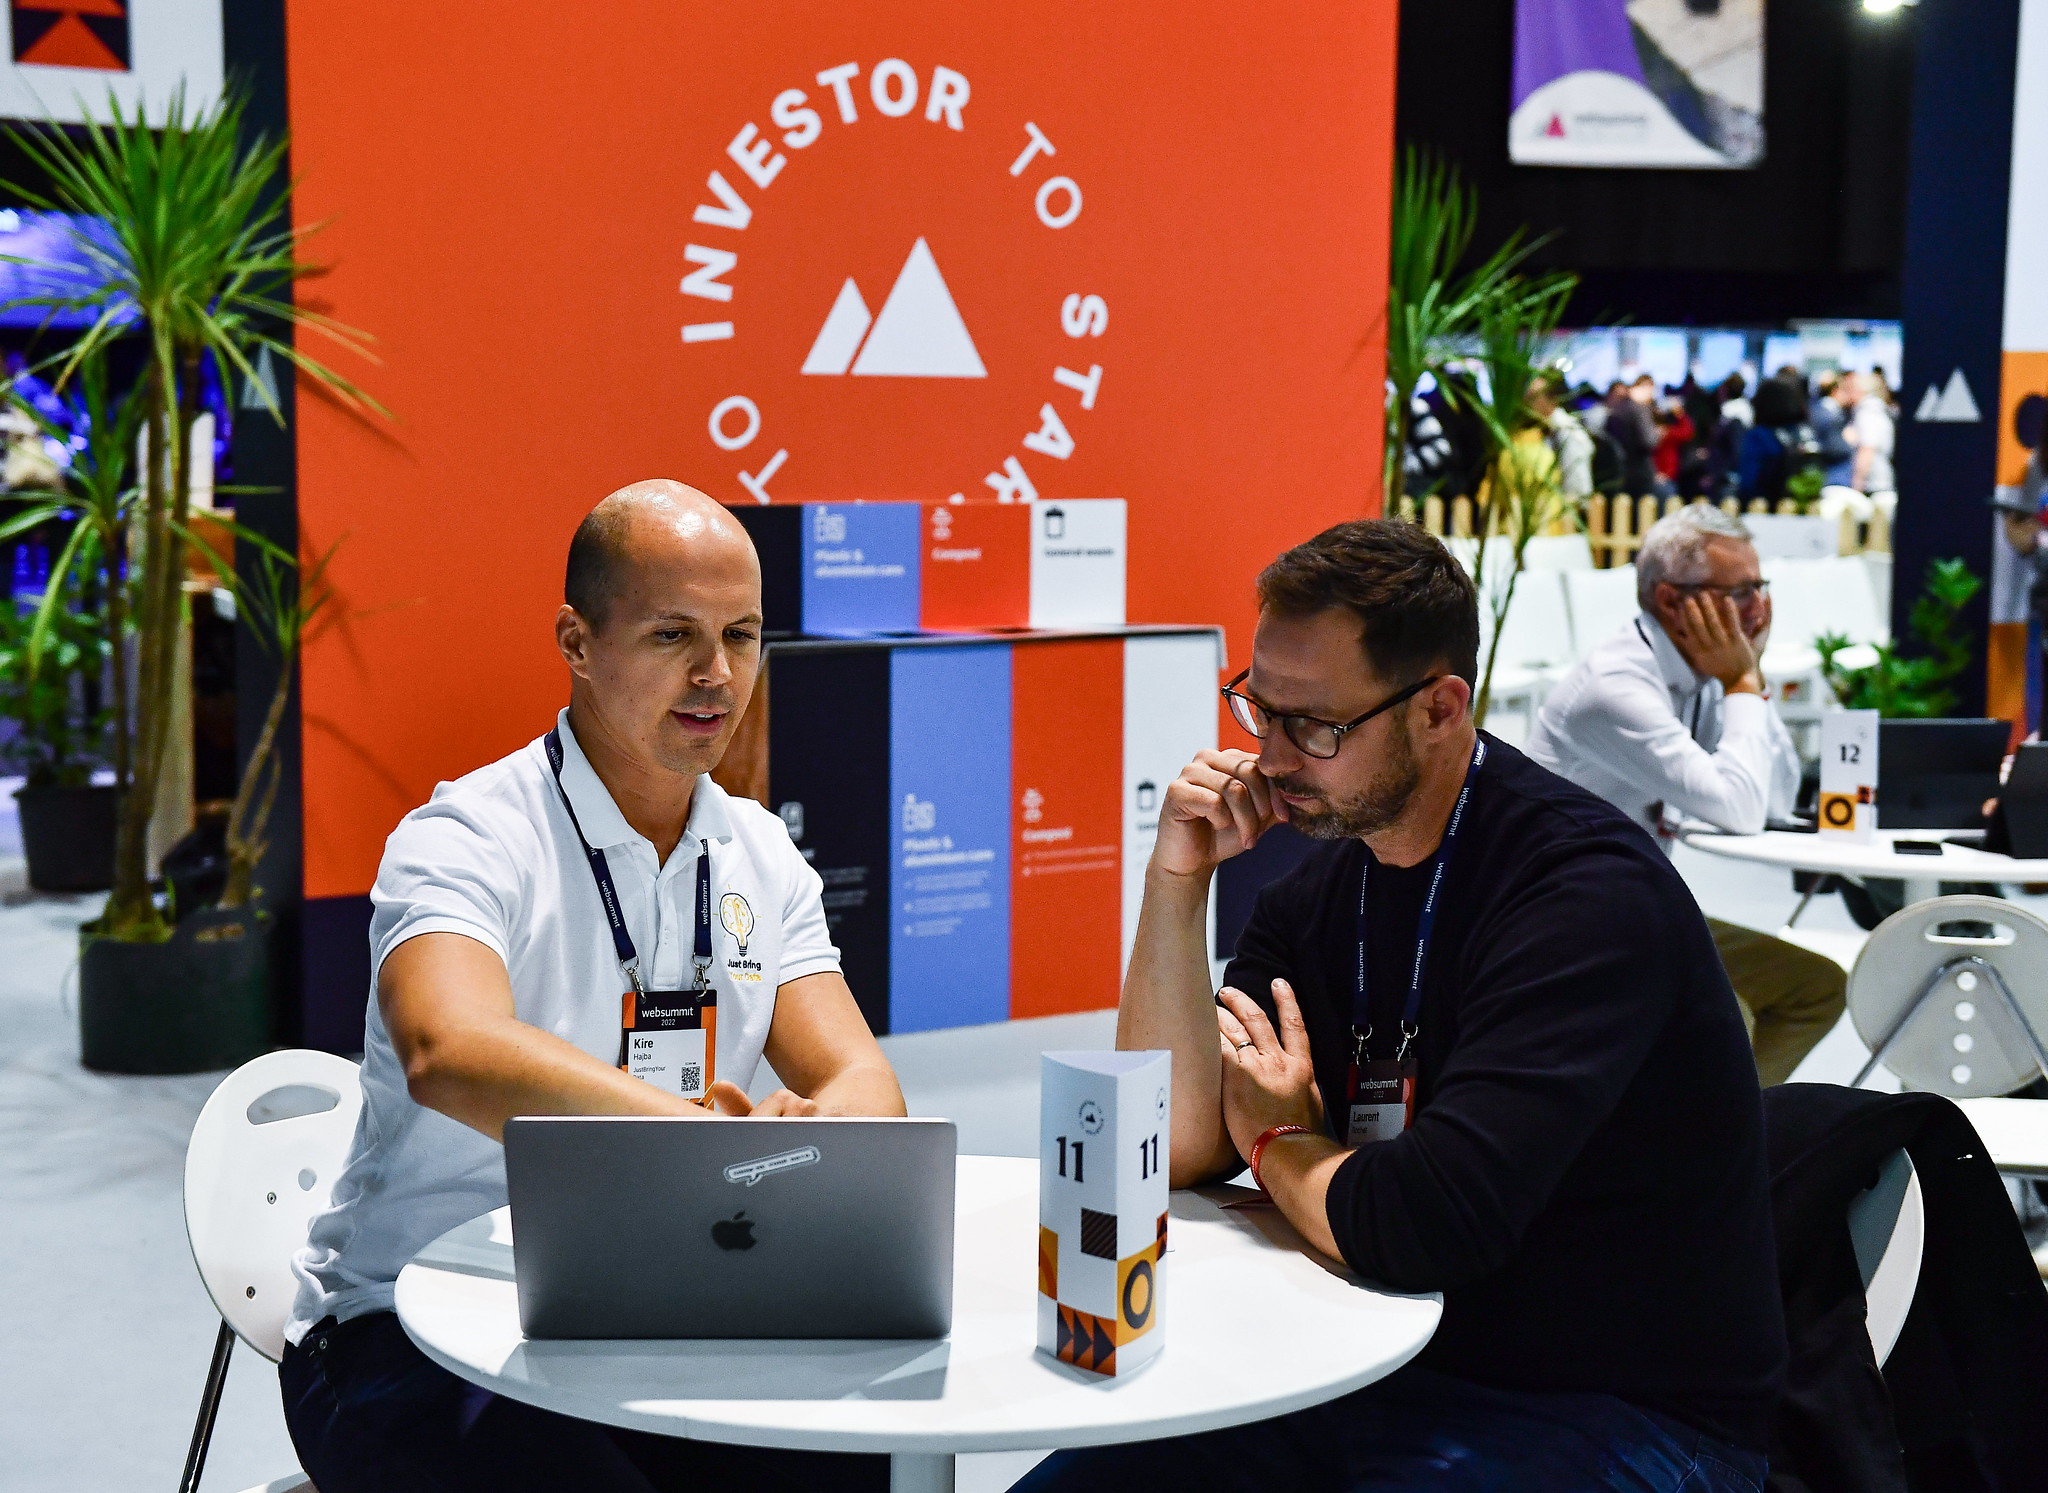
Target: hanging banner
[1638,83]
[65,57]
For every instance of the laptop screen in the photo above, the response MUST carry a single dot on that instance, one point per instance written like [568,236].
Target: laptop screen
[1936,774]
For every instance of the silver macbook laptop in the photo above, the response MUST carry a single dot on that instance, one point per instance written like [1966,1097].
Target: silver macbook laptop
[682,1228]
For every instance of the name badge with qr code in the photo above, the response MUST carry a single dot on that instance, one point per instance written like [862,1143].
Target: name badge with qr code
[671,1039]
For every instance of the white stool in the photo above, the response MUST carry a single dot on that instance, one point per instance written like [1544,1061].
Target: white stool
[1955,1012]
[262,1161]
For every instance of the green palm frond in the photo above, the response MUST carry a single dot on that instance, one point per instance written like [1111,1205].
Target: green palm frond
[201,261]
[201,242]
[1434,306]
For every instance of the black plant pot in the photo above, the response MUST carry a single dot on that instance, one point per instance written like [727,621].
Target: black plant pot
[68,836]
[197,1001]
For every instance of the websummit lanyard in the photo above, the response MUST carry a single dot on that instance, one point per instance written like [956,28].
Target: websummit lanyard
[667,1037]
[1381,1094]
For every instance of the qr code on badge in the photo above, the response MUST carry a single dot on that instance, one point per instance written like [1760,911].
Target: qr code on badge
[692,1078]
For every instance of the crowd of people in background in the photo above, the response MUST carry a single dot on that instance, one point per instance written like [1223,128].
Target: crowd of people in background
[1726,440]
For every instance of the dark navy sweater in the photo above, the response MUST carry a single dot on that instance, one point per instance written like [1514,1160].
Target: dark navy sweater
[1585,1178]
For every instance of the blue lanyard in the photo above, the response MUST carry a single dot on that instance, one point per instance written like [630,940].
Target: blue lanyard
[607,893]
[1361,1013]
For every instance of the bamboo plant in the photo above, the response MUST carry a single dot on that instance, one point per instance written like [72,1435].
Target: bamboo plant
[203,263]
[280,606]
[1432,306]
[1522,495]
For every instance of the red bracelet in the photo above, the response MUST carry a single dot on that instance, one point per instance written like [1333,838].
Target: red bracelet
[1259,1146]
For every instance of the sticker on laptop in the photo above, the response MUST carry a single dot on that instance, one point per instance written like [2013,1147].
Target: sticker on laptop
[753,1171]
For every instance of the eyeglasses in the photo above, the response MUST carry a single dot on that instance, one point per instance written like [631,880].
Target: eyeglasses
[1741,595]
[1313,736]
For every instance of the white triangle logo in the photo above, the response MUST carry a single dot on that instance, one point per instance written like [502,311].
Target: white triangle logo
[255,390]
[839,338]
[1953,404]
[918,334]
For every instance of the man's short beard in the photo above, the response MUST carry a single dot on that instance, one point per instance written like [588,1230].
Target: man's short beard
[1374,808]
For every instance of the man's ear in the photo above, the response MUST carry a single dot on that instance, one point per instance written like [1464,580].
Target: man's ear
[1449,701]
[572,636]
[1664,600]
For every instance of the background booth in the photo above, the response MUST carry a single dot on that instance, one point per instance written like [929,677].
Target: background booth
[811,256]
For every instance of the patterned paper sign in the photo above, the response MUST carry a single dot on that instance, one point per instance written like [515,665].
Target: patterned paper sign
[1104,1123]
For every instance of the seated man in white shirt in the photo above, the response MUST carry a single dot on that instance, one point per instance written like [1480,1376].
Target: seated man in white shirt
[1668,719]
[498,984]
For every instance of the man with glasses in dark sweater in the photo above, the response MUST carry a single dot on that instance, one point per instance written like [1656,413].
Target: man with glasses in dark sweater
[1477,1043]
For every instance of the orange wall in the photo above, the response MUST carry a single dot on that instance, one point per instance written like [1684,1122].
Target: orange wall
[511,191]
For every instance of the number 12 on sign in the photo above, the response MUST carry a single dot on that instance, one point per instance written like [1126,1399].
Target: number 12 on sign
[1847,807]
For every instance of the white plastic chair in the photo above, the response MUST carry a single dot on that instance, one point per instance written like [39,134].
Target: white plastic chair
[1535,640]
[1847,601]
[1950,995]
[1566,552]
[1796,619]
[1602,603]
[262,1161]
[1888,1227]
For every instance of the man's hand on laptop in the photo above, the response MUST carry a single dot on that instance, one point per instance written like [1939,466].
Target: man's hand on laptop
[730,1099]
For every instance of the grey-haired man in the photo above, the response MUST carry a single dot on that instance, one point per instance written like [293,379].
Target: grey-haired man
[1669,719]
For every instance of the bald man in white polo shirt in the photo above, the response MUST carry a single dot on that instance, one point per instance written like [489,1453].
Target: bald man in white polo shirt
[503,987]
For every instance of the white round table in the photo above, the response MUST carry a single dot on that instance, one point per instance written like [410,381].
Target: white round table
[1923,874]
[1256,1325]
[2014,1132]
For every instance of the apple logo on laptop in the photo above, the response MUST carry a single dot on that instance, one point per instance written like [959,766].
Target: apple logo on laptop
[736,1232]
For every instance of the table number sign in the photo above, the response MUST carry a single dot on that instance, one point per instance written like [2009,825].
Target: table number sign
[1848,774]
[1104,1122]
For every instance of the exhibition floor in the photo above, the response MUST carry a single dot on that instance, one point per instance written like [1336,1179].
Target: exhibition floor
[106,1325]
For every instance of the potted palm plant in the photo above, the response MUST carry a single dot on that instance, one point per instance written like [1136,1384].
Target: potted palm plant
[1433,306]
[201,265]
[76,638]
[53,663]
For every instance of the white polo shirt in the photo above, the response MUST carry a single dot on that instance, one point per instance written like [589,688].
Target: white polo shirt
[494,857]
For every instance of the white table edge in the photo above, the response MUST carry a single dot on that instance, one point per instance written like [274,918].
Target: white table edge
[1835,857]
[954,1443]
[947,1442]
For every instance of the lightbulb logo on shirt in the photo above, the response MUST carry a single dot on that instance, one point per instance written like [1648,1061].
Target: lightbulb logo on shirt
[852,174]
[736,918]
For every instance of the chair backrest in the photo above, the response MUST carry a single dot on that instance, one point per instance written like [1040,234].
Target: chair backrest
[1929,979]
[1566,552]
[262,1161]
[1798,603]
[1865,617]
[1888,1227]
[1537,633]
[1602,603]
